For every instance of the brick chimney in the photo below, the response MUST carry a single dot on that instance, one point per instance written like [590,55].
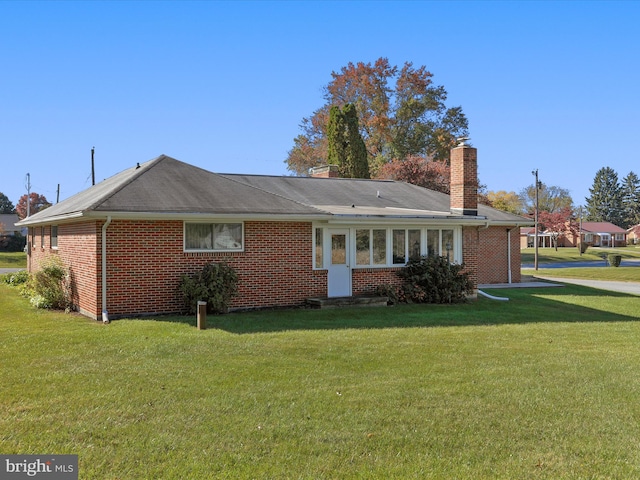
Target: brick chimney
[324,171]
[464,179]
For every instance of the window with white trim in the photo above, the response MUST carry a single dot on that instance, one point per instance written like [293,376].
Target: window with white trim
[54,236]
[407,244]
[213,237]
[619,237]
[371,246]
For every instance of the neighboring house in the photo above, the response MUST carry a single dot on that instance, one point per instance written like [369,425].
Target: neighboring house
[594,234]
[598,234]
[128,240]
[8,224]
[633,235]
[528,238]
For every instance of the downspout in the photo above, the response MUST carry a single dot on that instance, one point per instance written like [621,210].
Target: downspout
[509,254]
[105,314]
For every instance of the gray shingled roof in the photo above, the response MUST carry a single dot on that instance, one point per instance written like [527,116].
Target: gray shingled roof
[166,186]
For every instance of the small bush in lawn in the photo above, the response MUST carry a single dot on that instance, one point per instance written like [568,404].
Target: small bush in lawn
[216,284]
[434,279]
[614,260]
[49,287]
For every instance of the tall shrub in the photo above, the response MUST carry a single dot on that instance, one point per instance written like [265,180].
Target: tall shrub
[216,284]
[434,279]
[50,286]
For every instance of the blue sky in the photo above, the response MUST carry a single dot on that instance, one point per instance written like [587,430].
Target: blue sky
[224,85]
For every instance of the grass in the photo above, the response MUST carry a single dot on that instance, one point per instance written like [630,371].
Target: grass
[543,386]
[567,254]
[13,260]
[620,274]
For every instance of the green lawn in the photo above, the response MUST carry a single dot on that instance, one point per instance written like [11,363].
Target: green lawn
[13,260]
[546,385]
[566,254]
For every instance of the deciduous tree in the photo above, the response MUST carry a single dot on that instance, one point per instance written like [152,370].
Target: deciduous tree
[550,198]
[400,114]
[37,202]
[506,201]
[557,224]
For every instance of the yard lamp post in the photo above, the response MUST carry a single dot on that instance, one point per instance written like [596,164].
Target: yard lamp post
[537,187]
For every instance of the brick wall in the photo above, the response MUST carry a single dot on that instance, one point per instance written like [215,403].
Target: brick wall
[78,248]
[146,261]
[365,280]
[464,180]
[492,262]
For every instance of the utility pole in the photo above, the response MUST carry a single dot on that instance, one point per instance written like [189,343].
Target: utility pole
[580,231]
[537,186]
[28,185]
[93,170]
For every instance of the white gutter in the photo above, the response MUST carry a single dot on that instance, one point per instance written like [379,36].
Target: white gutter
[105,314]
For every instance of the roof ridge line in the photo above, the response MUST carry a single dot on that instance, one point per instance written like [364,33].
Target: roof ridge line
[266,191]
[142,168]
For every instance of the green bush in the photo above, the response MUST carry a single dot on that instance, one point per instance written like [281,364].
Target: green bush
[614,260]
[583,247]
[16,278]
[50,287]
[216,284]
[12,243]
[434,279]
[392,292]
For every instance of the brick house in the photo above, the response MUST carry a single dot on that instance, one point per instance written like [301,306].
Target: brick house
[128,240]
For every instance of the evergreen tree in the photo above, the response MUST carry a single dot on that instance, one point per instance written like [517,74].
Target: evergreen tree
[356,148]
[335,137]
[5,204]
[345,145]
[631,200]
[605,202]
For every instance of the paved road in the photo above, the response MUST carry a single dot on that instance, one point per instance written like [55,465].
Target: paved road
[10,270]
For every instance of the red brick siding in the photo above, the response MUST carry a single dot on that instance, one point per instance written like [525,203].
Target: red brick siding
[470,253]
[464,178]
[365,280]
[78,247]
[146,261]
[493,264]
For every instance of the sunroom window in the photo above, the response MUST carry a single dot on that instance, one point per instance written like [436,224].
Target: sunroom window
[213,237]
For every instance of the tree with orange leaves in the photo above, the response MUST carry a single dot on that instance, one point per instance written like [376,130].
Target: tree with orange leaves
[401,114]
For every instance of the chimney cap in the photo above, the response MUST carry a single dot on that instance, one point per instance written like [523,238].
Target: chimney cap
[462,142]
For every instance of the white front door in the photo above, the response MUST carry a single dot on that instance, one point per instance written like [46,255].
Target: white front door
[339,273]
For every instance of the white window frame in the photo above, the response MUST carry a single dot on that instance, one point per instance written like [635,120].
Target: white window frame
[211,250]
[52,236]
[456,252]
